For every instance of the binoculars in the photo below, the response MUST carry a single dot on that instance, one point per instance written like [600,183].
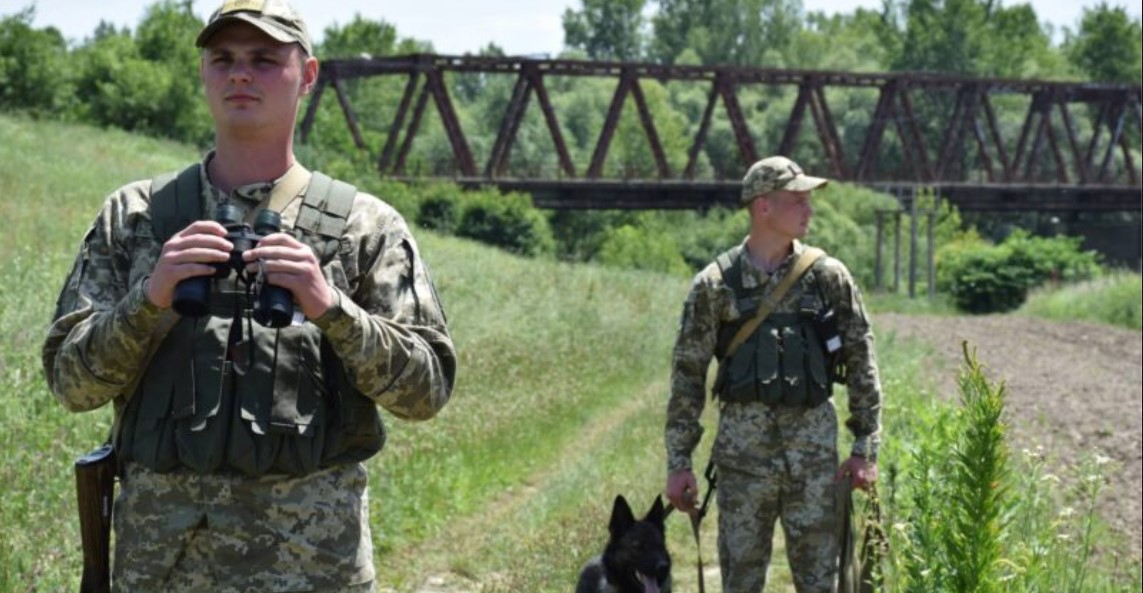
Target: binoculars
[274,305]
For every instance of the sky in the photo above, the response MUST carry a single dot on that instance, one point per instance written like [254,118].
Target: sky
[520,27]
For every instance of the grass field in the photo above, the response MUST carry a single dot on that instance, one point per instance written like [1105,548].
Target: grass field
[559,404]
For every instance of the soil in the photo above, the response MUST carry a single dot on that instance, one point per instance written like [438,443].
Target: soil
[1074,389]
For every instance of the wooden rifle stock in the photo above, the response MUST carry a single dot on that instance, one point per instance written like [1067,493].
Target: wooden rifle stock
[95,492]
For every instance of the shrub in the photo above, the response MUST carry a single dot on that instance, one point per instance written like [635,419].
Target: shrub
[508,221]
[982,278]
[634,247]
[440,207]
[1056,258]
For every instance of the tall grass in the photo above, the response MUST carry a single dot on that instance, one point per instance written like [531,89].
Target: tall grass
[1116,299]
[559,406]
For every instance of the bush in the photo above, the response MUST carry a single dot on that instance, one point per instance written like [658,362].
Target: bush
[636,248]
[986,278]
[982,278]
[1057,259]
[508,221]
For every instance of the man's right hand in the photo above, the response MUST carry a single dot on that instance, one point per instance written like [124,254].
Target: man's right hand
[682,490]
[187,254]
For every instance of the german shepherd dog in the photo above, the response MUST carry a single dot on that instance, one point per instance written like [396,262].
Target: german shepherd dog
[635,559]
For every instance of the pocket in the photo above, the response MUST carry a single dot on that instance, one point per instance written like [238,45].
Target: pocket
[769,360]
[794,375]
[740,384]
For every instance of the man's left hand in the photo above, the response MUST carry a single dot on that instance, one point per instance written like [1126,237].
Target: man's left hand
[291,264]
[860,472]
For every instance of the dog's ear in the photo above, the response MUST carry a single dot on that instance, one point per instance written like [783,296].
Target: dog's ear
[621,517]
[658,514]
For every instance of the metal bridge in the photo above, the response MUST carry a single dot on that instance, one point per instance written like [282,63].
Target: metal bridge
[1053,164]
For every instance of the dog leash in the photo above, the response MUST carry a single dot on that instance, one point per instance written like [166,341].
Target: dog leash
[697,517]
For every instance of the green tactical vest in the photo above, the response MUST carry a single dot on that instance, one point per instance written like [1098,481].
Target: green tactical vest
[281,401]
[783,363]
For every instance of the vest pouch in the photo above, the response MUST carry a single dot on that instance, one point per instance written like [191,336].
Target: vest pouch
[737,381]
[278,408]
[793,361]
[768,358]
[303,420]
[200,430]
[147,436]
[164,405]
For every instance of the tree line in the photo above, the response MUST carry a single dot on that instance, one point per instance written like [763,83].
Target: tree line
[142,79]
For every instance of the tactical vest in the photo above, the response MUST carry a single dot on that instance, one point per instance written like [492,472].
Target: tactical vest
[783,363]
[222,393]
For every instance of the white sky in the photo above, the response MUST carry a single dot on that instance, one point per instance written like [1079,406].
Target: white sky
[454,26]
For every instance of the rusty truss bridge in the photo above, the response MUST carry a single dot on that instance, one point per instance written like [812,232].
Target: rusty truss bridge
[1073,151]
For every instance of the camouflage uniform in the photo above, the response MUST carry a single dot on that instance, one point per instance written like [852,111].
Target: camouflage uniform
[773,462]
[183,531]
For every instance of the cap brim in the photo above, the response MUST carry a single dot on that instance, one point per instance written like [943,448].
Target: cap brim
[805,183]
[274,32]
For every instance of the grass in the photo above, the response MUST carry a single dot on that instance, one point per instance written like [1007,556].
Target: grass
[1115,299]
[559,406]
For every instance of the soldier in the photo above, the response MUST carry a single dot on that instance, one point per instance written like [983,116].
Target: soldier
[241,444]
[776,447]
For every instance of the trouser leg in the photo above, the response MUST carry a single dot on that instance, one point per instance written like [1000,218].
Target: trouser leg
[747,510]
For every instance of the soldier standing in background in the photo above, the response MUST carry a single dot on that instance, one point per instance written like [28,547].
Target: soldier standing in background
[240,444]
[776,447]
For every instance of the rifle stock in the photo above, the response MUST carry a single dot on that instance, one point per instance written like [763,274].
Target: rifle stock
[95,492]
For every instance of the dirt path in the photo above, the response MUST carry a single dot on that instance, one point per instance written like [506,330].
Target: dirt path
[1072,388]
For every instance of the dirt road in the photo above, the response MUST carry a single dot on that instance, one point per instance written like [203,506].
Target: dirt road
[1072,388]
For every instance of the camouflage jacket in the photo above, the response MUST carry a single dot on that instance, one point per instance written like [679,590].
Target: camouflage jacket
[711,303]
[387,324]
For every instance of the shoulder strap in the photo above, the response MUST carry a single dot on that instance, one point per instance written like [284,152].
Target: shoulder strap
[324,212]
[805,260]
[176,201]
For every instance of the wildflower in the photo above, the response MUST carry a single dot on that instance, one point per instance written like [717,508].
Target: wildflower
[1050,478]
[1102,460]
[1067,512]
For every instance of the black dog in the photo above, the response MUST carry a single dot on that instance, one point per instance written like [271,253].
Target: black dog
[635,559]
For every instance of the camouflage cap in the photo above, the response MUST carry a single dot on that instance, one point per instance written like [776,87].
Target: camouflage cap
[275,18]
[775,173]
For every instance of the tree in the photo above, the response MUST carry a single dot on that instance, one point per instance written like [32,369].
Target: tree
[606,29]
[35,75]
[972,37]
[735,32]
[1108,45]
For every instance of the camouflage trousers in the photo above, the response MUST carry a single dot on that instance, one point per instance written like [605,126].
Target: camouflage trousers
[780,466]
[182,532]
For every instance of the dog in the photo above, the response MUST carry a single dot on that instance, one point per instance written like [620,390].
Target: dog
[635,559]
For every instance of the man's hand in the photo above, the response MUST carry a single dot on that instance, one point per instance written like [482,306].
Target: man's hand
[682,490]
[187,254]
[291,264]
[860,472]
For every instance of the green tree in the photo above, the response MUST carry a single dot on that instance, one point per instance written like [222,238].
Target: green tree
[973,37]
[735,32]
[164,39]
[1108,46]
[606,29]
[35,75]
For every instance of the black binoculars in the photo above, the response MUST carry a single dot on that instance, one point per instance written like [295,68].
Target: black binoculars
[274,305]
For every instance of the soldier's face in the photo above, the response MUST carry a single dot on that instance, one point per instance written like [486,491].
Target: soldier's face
[787,213]
[254,83]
